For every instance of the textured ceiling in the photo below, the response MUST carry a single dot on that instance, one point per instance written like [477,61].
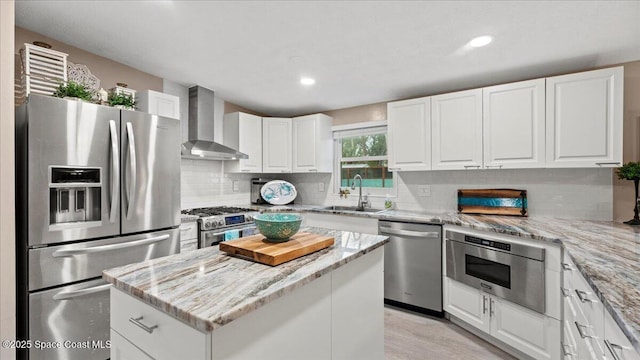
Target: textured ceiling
[253,52]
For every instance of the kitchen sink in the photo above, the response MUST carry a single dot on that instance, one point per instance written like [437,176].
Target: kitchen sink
[348,208]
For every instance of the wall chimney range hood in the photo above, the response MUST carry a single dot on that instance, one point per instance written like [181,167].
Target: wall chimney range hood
[201,145]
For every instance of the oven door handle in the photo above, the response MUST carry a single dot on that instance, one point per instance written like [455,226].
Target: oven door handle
[101,248]
[66,295]
[240,229]
[428,234]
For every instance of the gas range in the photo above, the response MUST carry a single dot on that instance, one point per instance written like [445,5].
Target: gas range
[221,217]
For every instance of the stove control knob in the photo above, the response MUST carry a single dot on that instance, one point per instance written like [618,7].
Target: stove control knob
[249,218]
[207,225]
[220,222]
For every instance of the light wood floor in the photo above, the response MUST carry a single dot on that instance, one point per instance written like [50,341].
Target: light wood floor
[411,336]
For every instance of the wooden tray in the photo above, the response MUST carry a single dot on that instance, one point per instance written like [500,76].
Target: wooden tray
[273,254]
[493,201]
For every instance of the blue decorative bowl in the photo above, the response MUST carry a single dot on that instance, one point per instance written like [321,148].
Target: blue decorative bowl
[278,227]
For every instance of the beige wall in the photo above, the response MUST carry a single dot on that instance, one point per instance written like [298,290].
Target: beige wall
[231,107]
[357,114]
[108,71]
[7,186]
[623,191]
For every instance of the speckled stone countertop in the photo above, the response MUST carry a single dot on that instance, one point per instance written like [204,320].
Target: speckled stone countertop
[606,253]
[208,289]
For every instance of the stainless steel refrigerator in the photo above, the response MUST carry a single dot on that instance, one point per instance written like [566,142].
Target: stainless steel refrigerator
[97,187]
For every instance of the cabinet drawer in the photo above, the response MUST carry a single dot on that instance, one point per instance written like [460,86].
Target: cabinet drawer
[188,231]
[188,245]
[615,341]
[171,339]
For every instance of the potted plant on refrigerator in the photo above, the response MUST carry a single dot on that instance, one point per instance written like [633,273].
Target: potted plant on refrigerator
[631,171]
[122,101]
[73,89]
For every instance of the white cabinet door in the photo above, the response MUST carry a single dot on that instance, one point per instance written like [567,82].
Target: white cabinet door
[456,136]
[584,119]
[122,349]
[616,342]
[513,125]
[157,103]
[468,304]
[243,132]
[409,134]
[312,143]
[532,333]
[277,136]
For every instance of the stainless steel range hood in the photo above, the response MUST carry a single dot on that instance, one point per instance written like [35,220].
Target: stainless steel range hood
[201,145]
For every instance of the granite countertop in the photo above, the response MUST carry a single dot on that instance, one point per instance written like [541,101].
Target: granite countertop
[606,253]
[207,289]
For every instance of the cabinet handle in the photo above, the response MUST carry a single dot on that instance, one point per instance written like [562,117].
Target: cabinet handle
[245,170]
[313,170]
[472,166]
[484,304]
[394,168]
[493,166]
[567,352]
[583,334]
[567,267]
[491,307]
[608,163]
[610,346]
[583,296]
[565,292]
[144,327]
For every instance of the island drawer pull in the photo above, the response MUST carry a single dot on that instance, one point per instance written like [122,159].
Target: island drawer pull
[567,267]
[565,292]
[608,163]
[144,327]
[583,296]
[493,166]
[472,166]
[566,350]
[610,346]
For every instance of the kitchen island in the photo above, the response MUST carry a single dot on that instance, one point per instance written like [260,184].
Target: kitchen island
[208,305]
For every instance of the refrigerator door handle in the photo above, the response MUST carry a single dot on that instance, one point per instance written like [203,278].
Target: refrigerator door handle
[101,248]
[133,170]
[115,173]
[66,295]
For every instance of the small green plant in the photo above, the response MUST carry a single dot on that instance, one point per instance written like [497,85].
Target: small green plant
[73,89]
[629,171]
[125,100]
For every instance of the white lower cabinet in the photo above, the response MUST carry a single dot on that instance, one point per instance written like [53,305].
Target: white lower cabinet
[532,333]
[188,236]
[589,330]
[338,316]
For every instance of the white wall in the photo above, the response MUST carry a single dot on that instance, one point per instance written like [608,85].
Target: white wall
[7,186]
[561,193]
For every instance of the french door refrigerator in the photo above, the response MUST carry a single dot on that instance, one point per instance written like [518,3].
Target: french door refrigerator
[97,187]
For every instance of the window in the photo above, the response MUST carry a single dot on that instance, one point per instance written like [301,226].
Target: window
[363,151]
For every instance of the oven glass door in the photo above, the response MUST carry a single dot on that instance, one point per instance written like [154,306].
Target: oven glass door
[214,237]
[491,271]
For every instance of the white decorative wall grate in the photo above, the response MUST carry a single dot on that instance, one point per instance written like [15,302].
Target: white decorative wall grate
[43,70]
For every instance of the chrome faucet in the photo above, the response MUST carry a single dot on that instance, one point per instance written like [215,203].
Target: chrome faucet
[361,203]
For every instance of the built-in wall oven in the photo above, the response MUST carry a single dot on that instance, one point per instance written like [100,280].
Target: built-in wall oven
[510,270]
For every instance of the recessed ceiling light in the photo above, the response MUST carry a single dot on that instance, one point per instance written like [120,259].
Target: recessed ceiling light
[307,81]
[481,41]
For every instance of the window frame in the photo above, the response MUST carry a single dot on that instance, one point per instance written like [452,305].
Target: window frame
[353,130]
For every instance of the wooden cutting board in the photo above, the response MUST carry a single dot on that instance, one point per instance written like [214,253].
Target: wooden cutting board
[493,201]
[273,254]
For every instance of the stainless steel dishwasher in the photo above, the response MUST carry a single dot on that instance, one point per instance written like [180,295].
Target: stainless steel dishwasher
[413,266]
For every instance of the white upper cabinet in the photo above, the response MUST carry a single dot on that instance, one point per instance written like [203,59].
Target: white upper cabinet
[243,132]
[584,119]
[277,136]
[312,143]
[409,134]
[513,125]
[456,136]
[157,103]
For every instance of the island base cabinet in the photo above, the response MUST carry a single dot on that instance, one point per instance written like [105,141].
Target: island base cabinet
[524,330]
[339,315]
